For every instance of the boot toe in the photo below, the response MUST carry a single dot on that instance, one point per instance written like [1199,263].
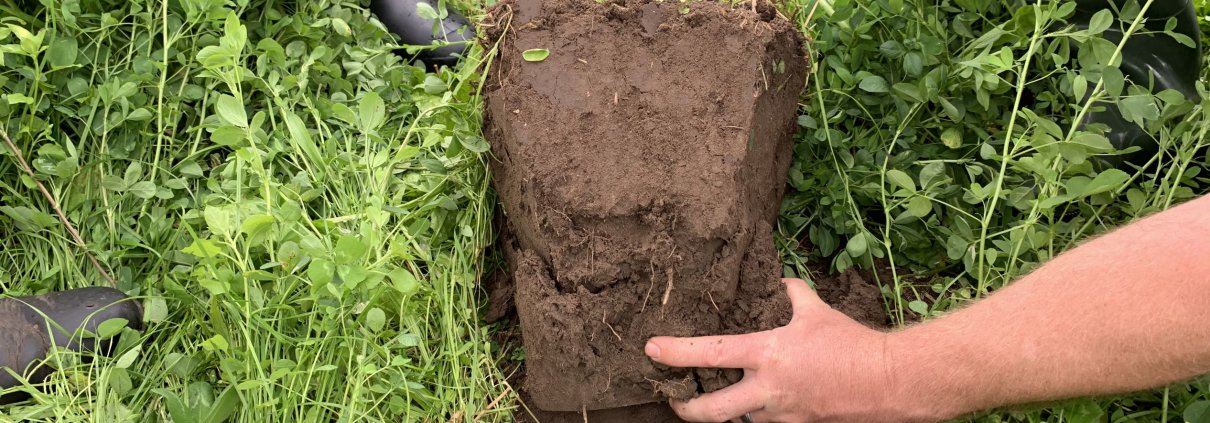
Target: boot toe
[84,308]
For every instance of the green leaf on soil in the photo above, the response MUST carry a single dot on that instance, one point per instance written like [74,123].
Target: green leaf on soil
[535,54]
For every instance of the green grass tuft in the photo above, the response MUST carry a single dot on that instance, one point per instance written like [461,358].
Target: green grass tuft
[302,213]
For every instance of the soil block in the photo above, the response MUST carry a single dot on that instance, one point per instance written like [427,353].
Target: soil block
[640,166]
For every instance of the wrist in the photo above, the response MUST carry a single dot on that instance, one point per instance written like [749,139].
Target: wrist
[917,390]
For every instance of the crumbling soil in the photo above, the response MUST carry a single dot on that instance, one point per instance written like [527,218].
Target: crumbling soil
[640,166]
[642,413]
[853,292]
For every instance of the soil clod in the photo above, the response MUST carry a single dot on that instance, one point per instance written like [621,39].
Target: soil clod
[640,166]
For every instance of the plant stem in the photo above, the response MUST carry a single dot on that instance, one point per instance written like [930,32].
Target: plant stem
[71,229]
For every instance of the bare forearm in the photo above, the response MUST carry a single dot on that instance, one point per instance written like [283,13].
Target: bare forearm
[1126,311]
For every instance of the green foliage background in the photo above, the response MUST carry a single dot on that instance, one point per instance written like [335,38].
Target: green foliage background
[939,141]
[302,211]
[304,215]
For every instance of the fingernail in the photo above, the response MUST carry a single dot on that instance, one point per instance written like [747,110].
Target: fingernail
[652,350]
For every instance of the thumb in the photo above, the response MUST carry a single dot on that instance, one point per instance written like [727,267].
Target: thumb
[803,299]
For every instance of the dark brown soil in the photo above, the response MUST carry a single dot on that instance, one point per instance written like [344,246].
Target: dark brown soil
[642,413]
[854,293]
[640,167]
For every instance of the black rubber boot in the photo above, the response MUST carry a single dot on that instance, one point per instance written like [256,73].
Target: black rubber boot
[401,18]
[1158,58]
[26,336]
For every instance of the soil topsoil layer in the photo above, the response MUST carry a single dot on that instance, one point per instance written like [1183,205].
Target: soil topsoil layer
[640,166]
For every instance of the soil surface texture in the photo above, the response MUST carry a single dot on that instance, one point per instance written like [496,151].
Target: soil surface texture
[856,294]
[853,292]
[640,166]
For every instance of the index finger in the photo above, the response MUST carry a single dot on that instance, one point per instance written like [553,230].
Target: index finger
[727,351]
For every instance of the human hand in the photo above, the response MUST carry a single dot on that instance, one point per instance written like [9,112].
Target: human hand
[822,367]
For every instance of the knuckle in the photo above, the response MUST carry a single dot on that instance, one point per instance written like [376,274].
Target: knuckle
[714,355]
[769,351]
[779,397]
